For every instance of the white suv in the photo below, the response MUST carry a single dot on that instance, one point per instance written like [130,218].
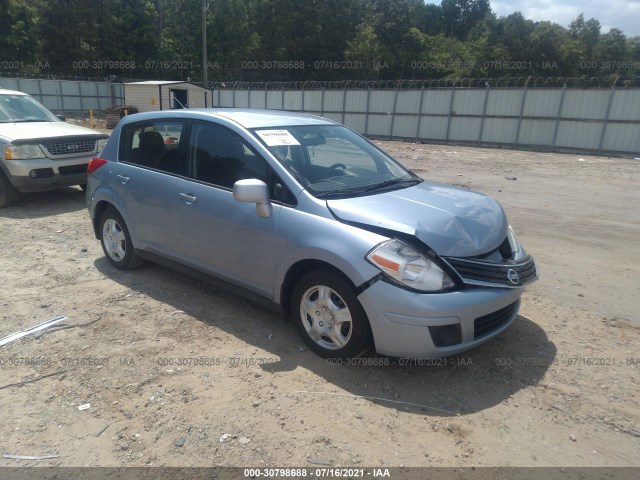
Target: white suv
[38,150]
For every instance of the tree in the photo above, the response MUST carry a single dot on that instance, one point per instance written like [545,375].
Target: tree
[460,16]
[587,34]
[367,51]
[232,39]
[67,35]
[19,41]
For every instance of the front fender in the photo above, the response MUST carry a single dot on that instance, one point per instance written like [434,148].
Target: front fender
[305,236]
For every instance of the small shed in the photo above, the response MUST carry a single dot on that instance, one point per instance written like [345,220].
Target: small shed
[154,95]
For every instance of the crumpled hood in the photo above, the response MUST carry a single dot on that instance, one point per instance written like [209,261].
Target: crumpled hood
[42,130]
[452,221]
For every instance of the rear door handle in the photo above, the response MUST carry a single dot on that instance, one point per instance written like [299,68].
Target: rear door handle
[123,180]
[188,199]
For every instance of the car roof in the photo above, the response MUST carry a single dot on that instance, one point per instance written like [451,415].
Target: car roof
[247,118]
[11,92]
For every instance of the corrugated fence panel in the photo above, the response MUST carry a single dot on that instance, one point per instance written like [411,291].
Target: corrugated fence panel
[504,102]
[579,134]
[67,94]
[292,100]
[337,117]
[433,128]
[257,99]
[625,105]
[333,101]
[27,85]
[242,98]
[542,103]
[464,129]
[356,101]
[468,102]
[382,102]
[405,126]
[499,130]
[9,84]
[274,99]
[589,104]
[437,101]
[408,102]
[536,132]
[313,101]
[356,121]
[379,125]
[226,97]
[623,137]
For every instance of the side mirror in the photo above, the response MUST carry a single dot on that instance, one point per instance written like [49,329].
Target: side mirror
[62,117]
[254,191]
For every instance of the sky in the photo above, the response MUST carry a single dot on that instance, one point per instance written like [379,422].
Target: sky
[624,15]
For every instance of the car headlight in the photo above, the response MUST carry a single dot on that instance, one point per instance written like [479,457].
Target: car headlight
[516,248]
[23,152]
[409,267]
[101,143]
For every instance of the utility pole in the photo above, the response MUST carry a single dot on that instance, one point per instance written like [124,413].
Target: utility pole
[204,43]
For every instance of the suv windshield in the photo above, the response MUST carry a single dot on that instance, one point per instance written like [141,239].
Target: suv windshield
[331,161]
[23,108]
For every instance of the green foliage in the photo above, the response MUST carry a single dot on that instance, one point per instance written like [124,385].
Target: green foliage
[255,40]
[18,41]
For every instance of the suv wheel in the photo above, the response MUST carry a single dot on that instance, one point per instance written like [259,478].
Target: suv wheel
[8,193]
[329,317]
[116,241]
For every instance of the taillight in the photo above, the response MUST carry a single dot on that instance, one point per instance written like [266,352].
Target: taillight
[95,164]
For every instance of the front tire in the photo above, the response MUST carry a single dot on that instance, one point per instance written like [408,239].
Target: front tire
[329,317]
[116,241]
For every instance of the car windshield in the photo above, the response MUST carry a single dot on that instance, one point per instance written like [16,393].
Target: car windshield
[331,161]
[23,108]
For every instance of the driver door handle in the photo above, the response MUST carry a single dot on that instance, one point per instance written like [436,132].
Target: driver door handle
[188,199]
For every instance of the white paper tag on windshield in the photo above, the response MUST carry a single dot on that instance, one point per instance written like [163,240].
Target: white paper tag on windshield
[277,138]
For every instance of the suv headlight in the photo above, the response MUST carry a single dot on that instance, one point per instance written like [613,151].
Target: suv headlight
[23,152]
[409,267]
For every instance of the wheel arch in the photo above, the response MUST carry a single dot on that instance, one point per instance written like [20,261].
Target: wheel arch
[101,207]
[296,271]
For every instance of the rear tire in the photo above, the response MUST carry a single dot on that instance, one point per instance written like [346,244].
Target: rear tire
[116,241]
[329,316]
[8,193]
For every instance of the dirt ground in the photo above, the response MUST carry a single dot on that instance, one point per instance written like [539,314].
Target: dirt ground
[178,373]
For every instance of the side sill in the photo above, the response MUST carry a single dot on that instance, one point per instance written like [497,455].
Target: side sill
[215,281]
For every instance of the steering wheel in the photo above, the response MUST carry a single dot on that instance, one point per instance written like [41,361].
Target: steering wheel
[336,166]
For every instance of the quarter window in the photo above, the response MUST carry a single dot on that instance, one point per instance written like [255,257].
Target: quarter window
[155,145]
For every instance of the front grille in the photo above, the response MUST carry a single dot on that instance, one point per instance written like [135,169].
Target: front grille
[73,169]
[66,148]
[507,273]
[489,323]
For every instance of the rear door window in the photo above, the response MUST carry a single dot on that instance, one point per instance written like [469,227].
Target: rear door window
[220,157]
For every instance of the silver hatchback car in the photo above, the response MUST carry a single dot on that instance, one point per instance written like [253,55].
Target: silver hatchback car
[304,214]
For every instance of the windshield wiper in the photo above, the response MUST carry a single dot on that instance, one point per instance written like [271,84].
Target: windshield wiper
[339,192]
[393,181]
[28,120]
